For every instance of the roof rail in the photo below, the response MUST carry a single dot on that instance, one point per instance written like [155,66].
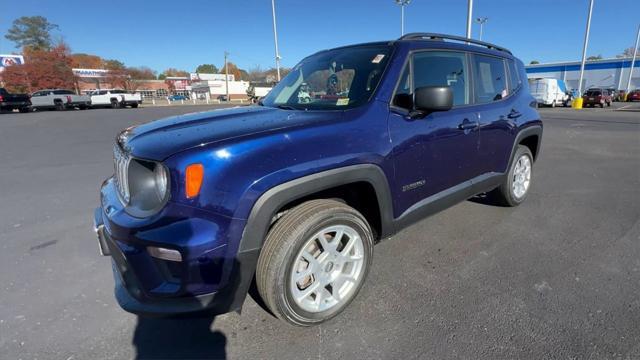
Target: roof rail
[442,37]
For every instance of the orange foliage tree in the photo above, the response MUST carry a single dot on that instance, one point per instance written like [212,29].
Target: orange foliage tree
[86,61]
[43,69]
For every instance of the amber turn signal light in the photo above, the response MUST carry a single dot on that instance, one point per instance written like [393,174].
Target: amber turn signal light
[193,180]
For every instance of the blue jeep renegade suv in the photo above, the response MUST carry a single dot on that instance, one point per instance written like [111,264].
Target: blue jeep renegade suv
[354,145]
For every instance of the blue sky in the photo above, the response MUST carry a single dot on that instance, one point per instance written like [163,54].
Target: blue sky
[162,34]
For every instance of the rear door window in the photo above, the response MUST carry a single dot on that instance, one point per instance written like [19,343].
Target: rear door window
[490,79]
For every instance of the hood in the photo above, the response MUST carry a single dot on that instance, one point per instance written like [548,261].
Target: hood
[157,140]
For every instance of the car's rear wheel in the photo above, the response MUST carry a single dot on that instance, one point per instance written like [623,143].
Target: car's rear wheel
[115,104]
[59,105]
[134,105]
[24,109]
[314,261]
[515,186]
[553,104]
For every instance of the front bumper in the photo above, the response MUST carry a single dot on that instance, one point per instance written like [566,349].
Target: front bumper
[212,275]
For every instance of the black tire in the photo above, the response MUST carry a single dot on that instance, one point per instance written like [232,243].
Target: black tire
[59,106]
[24,109]
[286,239]
[601,105]
[504,195]
[115,104]
[134,105]
[553,104]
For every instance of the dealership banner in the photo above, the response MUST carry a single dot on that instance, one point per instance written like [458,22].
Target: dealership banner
[8,60]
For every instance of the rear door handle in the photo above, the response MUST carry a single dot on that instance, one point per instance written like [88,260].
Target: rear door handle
[514,114]
[467,125]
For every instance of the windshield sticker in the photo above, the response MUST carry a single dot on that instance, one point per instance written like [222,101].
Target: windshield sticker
[377,59]
[342,102]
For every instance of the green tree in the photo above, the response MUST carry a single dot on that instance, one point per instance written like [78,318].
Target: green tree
[533,62]
[31,31]
[207,69]
[595,57]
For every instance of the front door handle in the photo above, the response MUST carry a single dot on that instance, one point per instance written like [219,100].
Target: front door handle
[467,125]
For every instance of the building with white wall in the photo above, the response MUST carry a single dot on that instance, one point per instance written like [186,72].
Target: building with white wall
[606,73]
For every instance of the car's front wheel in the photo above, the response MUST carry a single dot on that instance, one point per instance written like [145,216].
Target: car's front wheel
[314,261]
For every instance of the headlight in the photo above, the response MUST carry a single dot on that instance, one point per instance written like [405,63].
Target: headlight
[148,187]
[160,173]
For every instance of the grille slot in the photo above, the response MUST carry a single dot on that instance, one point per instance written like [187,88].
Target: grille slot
[121,166]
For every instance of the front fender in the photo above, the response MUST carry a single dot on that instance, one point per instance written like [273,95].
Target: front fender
[267,205]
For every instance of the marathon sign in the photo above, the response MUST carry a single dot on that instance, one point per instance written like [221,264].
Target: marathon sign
[90,73]
[8,60]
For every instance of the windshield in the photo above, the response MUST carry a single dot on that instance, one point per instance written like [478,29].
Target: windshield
[331,80]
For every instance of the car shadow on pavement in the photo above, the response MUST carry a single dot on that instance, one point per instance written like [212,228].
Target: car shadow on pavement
[486,199]
[178,338]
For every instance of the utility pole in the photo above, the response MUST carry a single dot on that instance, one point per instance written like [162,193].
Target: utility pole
[275,38]
[584,53]
[402,4]
[469,17]
[481,21]
[226,74]
[633,61]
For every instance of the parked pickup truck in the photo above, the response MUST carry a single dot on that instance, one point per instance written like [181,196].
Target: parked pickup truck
[14,101]
[115,99]
[59,99]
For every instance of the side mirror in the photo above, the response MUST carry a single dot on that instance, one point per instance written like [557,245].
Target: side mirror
[428,99]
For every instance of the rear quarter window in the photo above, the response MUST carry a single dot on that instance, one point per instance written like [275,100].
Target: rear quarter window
[514,77]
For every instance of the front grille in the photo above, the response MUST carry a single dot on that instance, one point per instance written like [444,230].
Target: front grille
[121,165]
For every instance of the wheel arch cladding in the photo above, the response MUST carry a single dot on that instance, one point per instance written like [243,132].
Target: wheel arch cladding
[530,137]
[294,191]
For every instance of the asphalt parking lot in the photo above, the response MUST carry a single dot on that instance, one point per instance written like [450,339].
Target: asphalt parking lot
[558,277]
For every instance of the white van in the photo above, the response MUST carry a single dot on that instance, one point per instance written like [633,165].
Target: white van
[550,92]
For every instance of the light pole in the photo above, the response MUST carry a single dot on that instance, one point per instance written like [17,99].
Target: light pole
[584,56]
[633,61]
[469,17]
[402,4]
[481,21]
[226,75]
[275,39]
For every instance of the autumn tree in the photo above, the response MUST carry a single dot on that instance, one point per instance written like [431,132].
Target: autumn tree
[141,73]
[207,69]
[534,62]
[171,72]
[31,31]
[43,69]
[112,64]
[232,68]
[595,57]
[16,79]
[86,61]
